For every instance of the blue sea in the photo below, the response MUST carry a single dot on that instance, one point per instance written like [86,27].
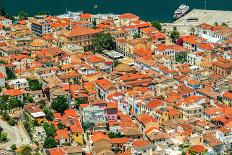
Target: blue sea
[161,10]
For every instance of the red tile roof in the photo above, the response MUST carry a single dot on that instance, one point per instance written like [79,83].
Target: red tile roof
[80,31]
[228,95]
[119,140]
[198,148]
[140,143]
[104,84]
[13,92]
[56,151]
[128,16]
[154,103]
[61,133]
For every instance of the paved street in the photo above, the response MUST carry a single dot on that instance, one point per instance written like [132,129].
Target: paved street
[87,149]
[16,135]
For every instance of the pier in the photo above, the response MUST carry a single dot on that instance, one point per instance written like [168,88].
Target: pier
[205,16]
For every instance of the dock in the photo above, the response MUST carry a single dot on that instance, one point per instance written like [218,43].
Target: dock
[205,16]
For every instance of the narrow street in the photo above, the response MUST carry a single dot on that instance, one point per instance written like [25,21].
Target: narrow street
[87,149]
[16,135]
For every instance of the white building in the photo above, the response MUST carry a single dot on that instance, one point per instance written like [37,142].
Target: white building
[4,21]
[18,84]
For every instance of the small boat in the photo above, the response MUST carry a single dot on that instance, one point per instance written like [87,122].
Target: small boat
[181,11]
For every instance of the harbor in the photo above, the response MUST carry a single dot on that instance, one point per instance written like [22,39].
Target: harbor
[197,16]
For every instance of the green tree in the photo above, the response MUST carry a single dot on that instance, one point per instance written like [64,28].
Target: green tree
[60,104]
[26,150]
[88,126]
[34,84]
[49,114]
[136,35]
[22,15]
[28,126]
[94,25]
[50,143]
[13,147]
[60,125]
[49,129]
[42,104]
[30,99]
[181,57]
[157,25]
[3,105]
[10,74]
[3,137]
[15,103]
[12,122]
[115,135]
[193,31]
[175,34]
[6,117]
[224,24]
[81,100]
[103,41]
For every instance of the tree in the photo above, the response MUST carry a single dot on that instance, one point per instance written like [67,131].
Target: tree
[48,113]
[3,137]
[26,150]
[22,15]
[157,25]
[28,126]
[215,24]
[49,129]
[193,31]
[29,99]
[60,104]
[115,135]
[15,103]
[181,57]
[174,34]
[81,100]
[12,122]
[103,41]
[94,25]
[10,74]
[60,125]
[136,35]
[13,147]
[34,84]
[88,126]
[42,104]
[224,24]
[6,117]
[50,143]
[116,62]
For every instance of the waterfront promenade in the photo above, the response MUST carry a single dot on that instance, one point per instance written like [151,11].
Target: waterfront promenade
[206,16]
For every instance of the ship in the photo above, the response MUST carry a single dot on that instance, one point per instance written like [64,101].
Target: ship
[181,11]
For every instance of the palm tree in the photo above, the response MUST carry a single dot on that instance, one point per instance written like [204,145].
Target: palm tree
[193,31]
